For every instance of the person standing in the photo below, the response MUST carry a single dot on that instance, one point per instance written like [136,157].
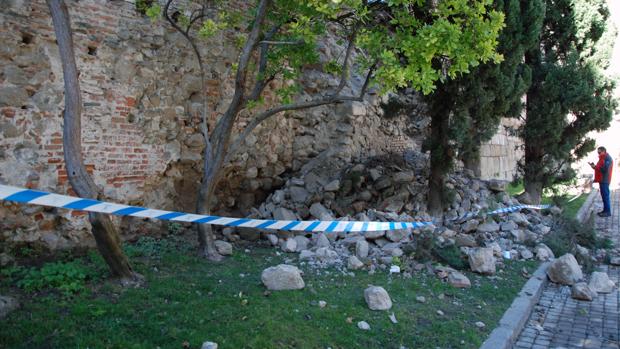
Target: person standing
[602,176]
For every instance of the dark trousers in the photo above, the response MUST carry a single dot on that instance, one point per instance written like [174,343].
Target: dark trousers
[605,196]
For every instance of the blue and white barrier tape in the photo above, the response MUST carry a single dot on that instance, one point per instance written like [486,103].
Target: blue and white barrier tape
[35,197]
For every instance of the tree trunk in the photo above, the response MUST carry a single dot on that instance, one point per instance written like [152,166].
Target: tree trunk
[106,235]
[206,237]
[440,162]
[532,180]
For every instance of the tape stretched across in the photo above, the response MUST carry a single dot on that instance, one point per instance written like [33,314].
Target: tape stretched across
[35,197]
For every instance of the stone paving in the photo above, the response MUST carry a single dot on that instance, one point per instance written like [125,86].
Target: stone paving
[558,321]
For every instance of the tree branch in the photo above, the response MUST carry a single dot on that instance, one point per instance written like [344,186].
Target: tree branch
[331,99]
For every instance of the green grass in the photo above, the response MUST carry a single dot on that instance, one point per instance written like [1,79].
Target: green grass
[568,203]
[191,300]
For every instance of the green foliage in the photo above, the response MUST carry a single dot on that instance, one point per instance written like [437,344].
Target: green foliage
[174,228]
[148,246]
[67,277]
[567,233]
[426,249]
[569,95]
[143,5]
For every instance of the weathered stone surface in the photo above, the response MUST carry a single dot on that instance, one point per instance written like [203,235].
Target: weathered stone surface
[497,185]
[526,254]
[306,255]
[582,291]
[377,298]
[361,249]
[490,227]
[508,226]
[481,260]
[543,252]
[519,218]
[396,235]
[209,345]
[354,263]
[372,235]
[332,186]
[470,225]
[282,277]
[363,325]
[600,282]
[289,245]
[325,254]
[565,270]
[224,248]
[7,305]
[458,280]
[465,240]
[284,214]
[403,177]
[302,242]
[299,194]
[322,241]
[320,212]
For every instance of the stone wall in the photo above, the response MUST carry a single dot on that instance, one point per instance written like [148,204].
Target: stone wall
[141,140]
[499,156]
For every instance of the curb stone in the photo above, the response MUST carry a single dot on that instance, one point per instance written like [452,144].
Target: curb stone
[586,209]
[514,319]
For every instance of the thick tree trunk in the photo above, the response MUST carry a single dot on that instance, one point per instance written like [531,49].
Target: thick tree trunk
[440,162]
[532,180]
[106,235]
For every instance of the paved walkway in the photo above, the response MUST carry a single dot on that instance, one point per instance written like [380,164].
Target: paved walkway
[559,322]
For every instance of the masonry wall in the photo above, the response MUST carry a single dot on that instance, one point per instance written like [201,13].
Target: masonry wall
[499,156]
[141,139]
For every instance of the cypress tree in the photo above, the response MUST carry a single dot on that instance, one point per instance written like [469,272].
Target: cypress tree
[569,95]
[466,111]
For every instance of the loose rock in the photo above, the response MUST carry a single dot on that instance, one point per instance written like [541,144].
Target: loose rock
[599,282]
[282,277]
[354,263]
[209,345]
[377,298]
[481,260]
[224,248]
[7,305]
[363,325]
[361,249]
[458,280]
[582,291]
[565,270]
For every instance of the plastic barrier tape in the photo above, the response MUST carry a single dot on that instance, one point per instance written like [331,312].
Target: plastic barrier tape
[35,197]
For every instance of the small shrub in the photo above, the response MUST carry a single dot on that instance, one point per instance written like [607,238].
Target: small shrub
[67,277]
[450,255]
[174,228]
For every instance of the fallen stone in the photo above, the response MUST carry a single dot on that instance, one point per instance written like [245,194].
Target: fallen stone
[306,255]
[332,186]
[325,254]
[298,194]
[458,280]
[480,324]
[396,235]
[465,240]
[565,270]
[224,248]
[209,345]
[497,185]
[490,227]
[508,226]
[282,277]
[302,243]
[361,249]
[289,245]
[284,214]
[372,235]
[470,225]
[519,218]
[354,263]
[600,282]
[377,298]
[614,261]
[363,325]
[543,252]
[526,254]
[7,305]
[481,260]
[420,299]
[582,291]
[322,241]
[320,212]
[322,304]
[273,239]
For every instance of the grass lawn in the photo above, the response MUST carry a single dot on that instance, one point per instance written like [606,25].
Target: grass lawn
[189,301]
[568,203]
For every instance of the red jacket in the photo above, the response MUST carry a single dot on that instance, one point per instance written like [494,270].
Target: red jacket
[603,169]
